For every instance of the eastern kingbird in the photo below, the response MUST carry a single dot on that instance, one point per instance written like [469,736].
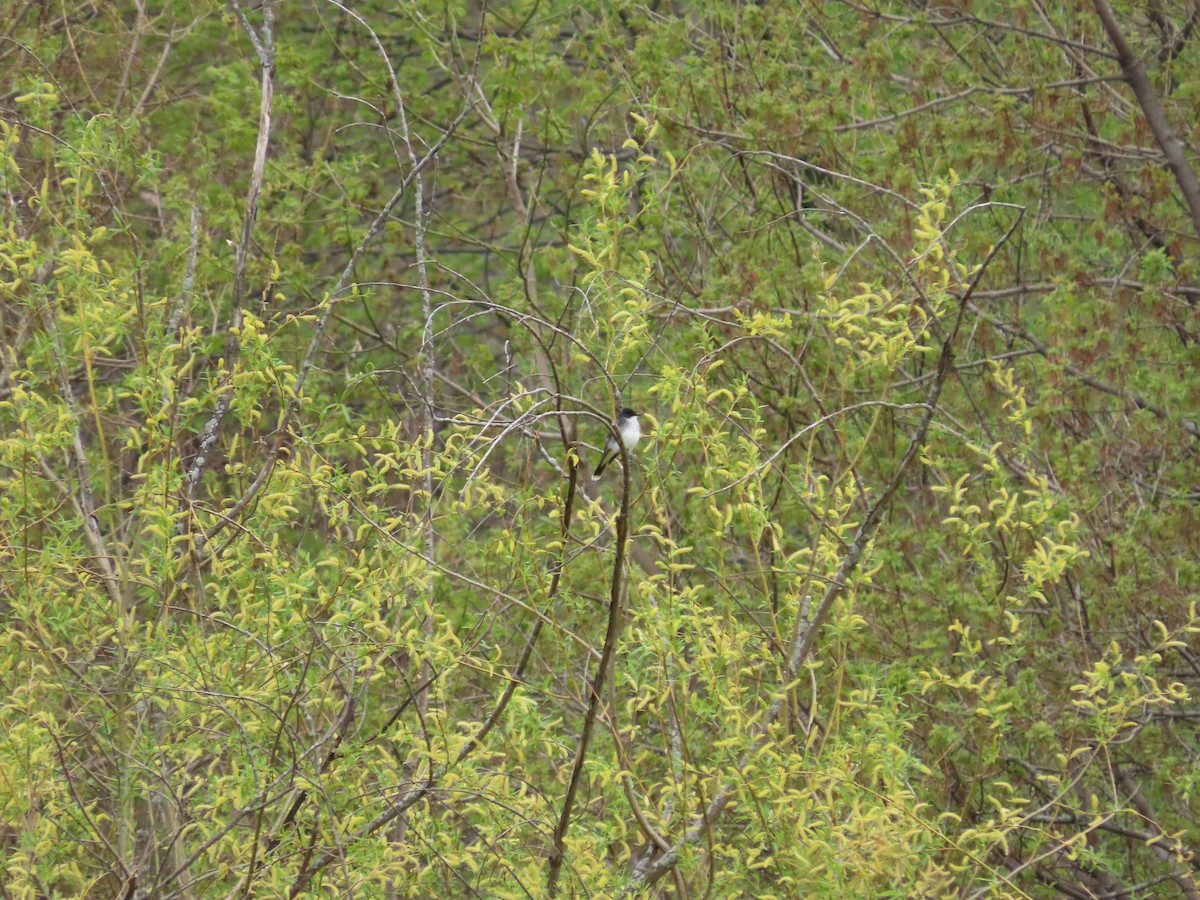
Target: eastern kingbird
[630,432]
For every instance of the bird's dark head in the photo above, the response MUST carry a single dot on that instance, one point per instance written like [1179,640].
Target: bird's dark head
[627,413]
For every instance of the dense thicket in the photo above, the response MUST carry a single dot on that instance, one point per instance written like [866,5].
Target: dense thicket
[313,318]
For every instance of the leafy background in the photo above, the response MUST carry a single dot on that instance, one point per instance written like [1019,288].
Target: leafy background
[313,317]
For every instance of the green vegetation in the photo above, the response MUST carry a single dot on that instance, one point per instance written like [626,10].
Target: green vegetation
[313,318]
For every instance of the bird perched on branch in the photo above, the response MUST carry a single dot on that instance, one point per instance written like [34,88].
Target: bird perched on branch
[630,432]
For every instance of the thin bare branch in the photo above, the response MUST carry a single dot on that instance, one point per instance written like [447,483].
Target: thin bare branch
[189,275]
[264,45]
[616,619]
[1164,135]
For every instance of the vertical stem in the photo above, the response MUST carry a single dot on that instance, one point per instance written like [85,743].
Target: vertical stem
[427,398]
[612,635]
[264,46]
[425,675]
[424,678]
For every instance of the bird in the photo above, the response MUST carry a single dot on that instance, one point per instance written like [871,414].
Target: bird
[630,432]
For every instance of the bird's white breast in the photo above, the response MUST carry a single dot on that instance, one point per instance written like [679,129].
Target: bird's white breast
[631,432]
